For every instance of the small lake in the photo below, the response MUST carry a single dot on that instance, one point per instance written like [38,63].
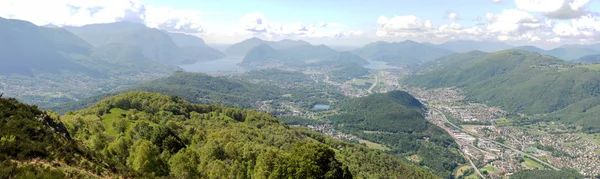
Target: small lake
[378,65]
[226,64]
[321,107]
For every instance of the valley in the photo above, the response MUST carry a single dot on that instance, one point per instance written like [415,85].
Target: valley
[125,100]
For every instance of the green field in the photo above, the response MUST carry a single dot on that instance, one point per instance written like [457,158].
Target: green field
[592,67]
[503,121]
[108,119]
[462,169]
[373,145]
[361,81]
[490,169]
[532,164]
[592,137]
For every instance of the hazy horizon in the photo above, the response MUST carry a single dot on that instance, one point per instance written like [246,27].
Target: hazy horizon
[546,24]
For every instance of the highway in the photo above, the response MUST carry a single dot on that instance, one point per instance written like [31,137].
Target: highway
[495,142]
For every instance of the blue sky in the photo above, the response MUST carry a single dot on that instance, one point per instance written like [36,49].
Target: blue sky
[548,23]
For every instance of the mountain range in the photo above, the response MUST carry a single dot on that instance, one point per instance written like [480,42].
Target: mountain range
[568,53]
[156,45]
[341,65]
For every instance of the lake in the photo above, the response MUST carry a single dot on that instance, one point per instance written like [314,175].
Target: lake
[229,64]
[378,65]
[226,64]
[320,106]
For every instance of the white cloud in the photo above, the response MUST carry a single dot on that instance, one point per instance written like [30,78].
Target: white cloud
[78,13]
[510,25]
[554,40]
[512,22]
[539,5]
[322,24]
[584,27]
[255,22]
[556,9]
[452,16]
[402,25]
[258,25]
[497,1]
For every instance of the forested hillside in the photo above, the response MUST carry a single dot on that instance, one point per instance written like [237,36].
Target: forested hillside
[395,120]
[46,66]
[155,45]
[202,88]
[342,66]
[519,81]
[404,53]
[243,47]
[147,135]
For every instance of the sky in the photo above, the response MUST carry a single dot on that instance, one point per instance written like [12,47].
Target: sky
[542,23]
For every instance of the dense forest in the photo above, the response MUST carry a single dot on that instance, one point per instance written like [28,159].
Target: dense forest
[548,174]
[148,135]
[395,120]
[206,89]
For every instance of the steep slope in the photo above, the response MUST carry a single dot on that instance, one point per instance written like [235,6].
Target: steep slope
[406,52]
[571,53]
[46,66]
[341,65]
[262,53]
[185,40]
[194,87]
[518,81]
[146,135]
[461,46]
[156,45]
[568,53]
[26,48]
[243,47]
[395,120]
[531,49]
[35,144]
[193,46]
[589,59]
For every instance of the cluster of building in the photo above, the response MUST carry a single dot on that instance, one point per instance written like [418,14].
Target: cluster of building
[474,112]
[329,130]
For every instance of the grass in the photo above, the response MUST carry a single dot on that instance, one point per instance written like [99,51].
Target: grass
[361,81]
[490,169]
[592,67]
[461,170]
[107,120]
[532,164]
[503,121]
[592,137]
[373,145]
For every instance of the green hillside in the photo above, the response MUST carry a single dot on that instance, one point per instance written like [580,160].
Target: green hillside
[47,66]
[395,120]
[148,135]
[519,81]
[568,53]
[202,88]
[589,59]
[406,52]
[342,66]
[156,45]
[27,48]
[242,48]
[462,46]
